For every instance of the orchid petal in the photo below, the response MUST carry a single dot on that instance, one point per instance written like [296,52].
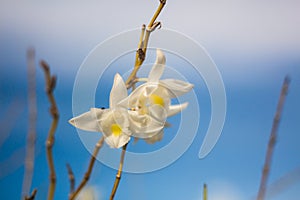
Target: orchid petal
[158,112]
[110,117]
[176,87]
[174,109]
[158,67]
[117,142]
[144,126]
[118,91]
[88,121]
[124,103]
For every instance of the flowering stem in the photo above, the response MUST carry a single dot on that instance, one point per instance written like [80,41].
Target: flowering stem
[119,174]
[50,85]
[89,171]
[130,83]
[272,140]
[143,43]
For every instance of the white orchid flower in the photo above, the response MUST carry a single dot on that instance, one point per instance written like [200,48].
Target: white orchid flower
[112,122]
[151,101]
[159,92]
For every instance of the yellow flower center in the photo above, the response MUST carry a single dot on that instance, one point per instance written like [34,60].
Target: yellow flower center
[157,100]
[116,130]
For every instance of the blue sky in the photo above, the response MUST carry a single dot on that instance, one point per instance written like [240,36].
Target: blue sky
[254,44]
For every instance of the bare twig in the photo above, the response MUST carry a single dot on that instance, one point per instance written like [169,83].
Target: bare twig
[31,136]
[204,192]
[272,140]
[50,85]
[32,196]
[89,170]
[71,178]
[119,174]
[143,43]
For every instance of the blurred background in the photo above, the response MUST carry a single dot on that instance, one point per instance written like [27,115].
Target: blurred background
[254,45]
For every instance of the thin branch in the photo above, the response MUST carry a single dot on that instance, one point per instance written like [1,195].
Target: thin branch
[143,43]
[89,170]
[119,174]
[32,196]
[272,140]
[204,192]
[31,136]
[50,85]
[71,178]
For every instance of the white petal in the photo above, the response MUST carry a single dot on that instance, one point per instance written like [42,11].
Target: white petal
[110,117]
[144,126]
[174,109]
[149,88]
[117,142]
[118,91]
[155,138]
[124,103]
[88,121]
[176,87]
[158,112]
[158,67]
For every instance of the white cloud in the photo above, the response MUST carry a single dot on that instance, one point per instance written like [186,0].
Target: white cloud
[238,24]
[234,32]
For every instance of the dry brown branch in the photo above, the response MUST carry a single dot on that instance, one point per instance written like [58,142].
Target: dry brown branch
[89,170]
[31,135]
[119,174]
[272,140]
[32,196]
[50,85]
[71,178]
[143,43]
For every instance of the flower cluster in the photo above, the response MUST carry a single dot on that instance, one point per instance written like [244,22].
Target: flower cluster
[142,114]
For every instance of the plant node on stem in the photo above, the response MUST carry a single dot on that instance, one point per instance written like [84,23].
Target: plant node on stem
[143,43]
[71,178]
